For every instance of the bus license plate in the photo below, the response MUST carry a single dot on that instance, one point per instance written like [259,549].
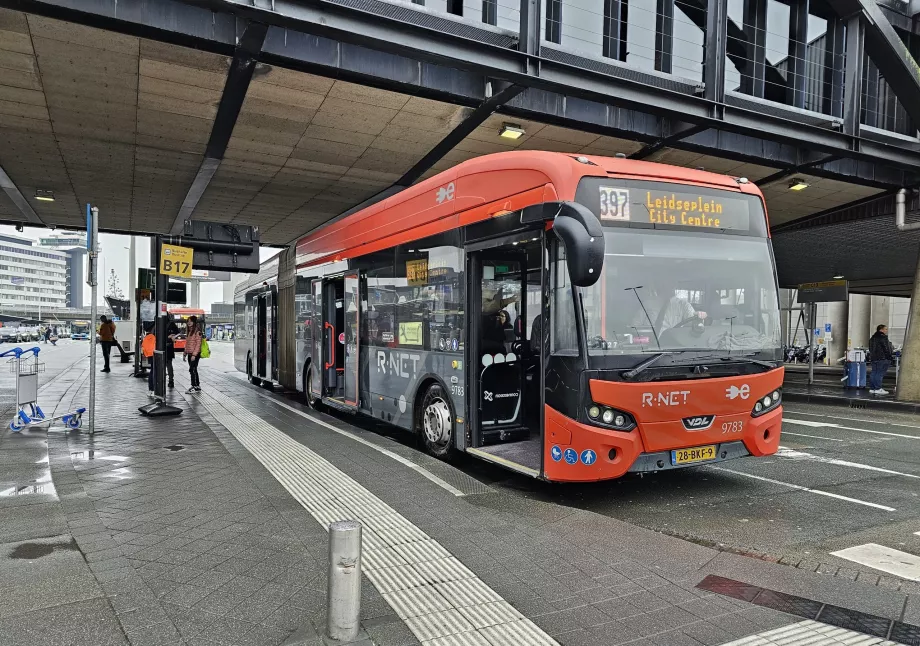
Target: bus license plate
[696,454]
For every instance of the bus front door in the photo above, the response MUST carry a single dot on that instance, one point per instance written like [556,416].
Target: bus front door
[261,337]
[334,339]
[271,352]
[352,320]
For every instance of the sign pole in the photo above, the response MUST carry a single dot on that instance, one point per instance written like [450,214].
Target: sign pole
[92,245]
[811,344]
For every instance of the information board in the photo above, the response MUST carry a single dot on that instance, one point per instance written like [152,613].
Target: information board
[176,260]
[824,292]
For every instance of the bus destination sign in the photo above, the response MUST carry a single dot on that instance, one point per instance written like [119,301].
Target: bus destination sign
[673,208]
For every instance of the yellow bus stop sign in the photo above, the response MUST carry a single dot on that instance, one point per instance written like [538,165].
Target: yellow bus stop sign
[176,260]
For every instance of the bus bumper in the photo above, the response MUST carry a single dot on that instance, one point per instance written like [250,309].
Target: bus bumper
[576,452]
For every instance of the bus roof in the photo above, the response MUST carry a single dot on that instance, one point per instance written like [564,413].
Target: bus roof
[478,189]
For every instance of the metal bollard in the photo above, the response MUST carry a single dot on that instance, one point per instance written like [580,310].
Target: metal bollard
[343,600]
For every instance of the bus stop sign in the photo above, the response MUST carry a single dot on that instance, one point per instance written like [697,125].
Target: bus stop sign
[824,292]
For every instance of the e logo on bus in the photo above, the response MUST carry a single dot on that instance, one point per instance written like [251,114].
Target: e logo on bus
[446,193]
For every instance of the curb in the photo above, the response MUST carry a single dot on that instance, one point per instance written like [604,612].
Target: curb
[851,402]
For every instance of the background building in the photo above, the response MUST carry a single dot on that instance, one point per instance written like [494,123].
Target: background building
[32,276]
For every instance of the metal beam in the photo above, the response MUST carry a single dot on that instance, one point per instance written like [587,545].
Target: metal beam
[834,67]
[886,49]
[714,56]
[793,170]
[683,131]
[13,192]
[755,29]
[853,76]
[228,110]
[796,74]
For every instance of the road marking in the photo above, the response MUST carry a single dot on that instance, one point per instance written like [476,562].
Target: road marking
[403,563]
[801,488]
[805,422]
[855,419]
[420,470]
[785,452]
[813,633]
[817,437]
[886,559]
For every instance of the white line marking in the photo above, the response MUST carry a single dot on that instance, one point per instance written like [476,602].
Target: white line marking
[886,559]
[420,470]
[817,437]
[329,494]
[854,419]
[812,633]
[805,422]
[801,488]
[785,452]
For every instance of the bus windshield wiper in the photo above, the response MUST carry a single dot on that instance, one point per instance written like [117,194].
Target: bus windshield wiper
[733,357]
[632,373]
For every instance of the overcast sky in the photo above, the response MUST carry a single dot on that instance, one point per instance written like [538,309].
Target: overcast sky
[114,255]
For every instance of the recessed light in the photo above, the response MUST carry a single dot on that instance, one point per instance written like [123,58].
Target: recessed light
[511,131]
[838,277]
[44,196]
[798,185]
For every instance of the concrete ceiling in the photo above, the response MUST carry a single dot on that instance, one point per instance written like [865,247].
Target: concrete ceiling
[123,122]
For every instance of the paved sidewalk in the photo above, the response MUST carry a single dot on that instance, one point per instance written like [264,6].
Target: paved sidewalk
[203,529]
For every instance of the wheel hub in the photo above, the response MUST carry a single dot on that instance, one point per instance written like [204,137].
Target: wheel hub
[436,422]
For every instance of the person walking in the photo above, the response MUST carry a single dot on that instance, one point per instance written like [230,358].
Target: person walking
[193,352]
[46,332]
[106,339]
[882,354]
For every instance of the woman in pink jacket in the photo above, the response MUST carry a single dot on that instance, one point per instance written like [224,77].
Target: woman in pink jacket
[193,352]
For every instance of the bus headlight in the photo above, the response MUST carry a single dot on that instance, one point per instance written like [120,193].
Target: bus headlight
[767,402]
[608,417]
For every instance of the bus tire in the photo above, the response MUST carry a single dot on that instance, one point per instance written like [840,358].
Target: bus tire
[435,423]
[253,380]
[307,380]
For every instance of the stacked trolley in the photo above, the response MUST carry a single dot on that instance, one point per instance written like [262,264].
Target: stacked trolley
[24,368]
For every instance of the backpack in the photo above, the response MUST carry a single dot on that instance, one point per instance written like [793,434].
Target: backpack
[148,345]
[205,349]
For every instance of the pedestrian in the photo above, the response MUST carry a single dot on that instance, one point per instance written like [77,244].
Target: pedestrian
[882,354]
[46,332]
[172,330]
[148,345]
[106,339]
[193,352]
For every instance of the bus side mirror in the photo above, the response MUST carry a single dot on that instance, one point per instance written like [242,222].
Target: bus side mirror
[583,237]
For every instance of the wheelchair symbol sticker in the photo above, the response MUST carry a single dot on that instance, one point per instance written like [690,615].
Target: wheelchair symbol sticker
[571,457]
[588,457]
[555,453]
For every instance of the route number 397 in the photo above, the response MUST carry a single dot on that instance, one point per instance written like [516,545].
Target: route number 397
[732,427]
[614,204]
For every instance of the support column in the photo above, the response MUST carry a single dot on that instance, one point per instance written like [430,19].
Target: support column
[881,312]
[796,72]
[909,379]
[755,28]
[837,316]
[860,320]
[853,76]
[664,35]
[714,55]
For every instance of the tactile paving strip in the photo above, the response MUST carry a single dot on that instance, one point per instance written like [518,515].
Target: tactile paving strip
[424,584]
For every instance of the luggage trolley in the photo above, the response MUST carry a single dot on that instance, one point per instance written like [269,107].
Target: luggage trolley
[25,368]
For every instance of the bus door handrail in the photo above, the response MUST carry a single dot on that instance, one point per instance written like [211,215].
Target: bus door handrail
[327,325]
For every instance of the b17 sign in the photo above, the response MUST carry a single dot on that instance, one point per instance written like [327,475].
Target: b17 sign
[176,260]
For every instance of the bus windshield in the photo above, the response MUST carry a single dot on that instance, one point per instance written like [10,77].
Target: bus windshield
[674,291]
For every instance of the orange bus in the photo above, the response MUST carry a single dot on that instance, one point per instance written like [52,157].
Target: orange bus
[572,318]
[180,315]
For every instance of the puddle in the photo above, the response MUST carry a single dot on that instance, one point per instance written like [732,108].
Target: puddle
[33,551]
[25,490]
[174,447]
[122,474]
[92,454]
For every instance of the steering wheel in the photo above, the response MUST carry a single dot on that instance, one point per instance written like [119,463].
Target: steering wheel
[694,322]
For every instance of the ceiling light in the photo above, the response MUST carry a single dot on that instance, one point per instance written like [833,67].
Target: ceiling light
[43,195]
[838,277]
[511,131]
[798,185]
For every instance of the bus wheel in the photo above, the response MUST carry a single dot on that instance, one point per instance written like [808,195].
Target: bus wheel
[253,380]
[307,380]
[436,423]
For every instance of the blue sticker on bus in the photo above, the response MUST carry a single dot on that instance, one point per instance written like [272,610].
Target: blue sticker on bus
[571,457]
[454,344]
[588,457]
[556,453]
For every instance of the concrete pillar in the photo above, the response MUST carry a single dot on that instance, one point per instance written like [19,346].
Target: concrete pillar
[860,320]
[909,379]
[881,312]
[194,287]
[837,316]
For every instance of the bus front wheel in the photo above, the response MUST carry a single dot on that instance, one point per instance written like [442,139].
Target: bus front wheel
[436,423]
[253,380]
[307,380]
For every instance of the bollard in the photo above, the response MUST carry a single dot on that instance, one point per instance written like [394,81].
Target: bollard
[343,599]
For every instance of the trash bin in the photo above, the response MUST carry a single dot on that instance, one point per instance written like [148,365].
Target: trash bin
[856,369]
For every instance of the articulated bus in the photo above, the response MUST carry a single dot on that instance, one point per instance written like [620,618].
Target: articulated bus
[572,318]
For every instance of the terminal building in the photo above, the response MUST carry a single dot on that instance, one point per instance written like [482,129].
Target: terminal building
[34,276]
